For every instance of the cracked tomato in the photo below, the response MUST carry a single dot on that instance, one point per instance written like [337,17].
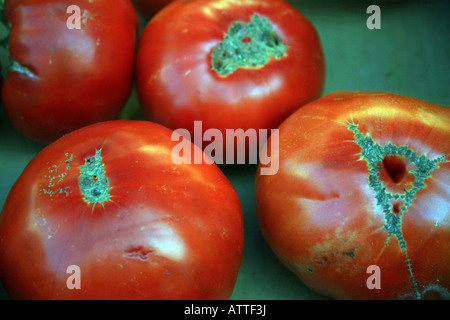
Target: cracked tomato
[104,208]
[362,187]
[230,64]
[60,79]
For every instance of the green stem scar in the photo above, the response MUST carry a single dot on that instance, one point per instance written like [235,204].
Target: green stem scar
[92,181]
[247,45]
[373,154]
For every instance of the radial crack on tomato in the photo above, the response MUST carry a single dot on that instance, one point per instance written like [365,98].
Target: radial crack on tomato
[373,154]
[92,181]
[247,45]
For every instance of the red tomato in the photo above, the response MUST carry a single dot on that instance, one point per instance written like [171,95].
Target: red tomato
[270,63]
[108,199]
[62,79]
[150,7]
[363,181]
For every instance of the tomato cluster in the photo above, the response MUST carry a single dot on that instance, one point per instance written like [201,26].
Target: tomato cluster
[109,210]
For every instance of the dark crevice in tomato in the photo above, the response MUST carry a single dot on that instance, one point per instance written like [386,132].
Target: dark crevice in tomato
[395,167]
[247,45]
[396,208]
[394,205]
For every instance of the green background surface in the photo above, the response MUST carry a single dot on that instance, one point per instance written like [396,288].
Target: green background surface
[409,55]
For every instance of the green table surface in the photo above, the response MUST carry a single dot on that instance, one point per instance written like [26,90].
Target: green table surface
[409,55]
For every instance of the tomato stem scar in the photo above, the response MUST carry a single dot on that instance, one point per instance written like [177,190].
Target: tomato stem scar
[92,180]
[247,45]
[373,154]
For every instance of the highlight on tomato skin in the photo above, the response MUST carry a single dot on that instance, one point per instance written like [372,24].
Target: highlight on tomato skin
[108,200]
[241,65]
[363,184]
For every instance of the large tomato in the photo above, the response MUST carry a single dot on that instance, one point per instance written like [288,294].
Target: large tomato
[230,64]
[150,7]
[361,198]
[108,199]
[61,79]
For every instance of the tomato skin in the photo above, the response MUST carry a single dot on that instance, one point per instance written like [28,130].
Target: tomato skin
[150,7]
[321,218]
[78,77]
[176,84]
[168,232]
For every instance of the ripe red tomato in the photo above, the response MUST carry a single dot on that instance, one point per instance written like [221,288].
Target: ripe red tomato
[230,64]
[108,199]
[150,7]
[61,79]
[363,181]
